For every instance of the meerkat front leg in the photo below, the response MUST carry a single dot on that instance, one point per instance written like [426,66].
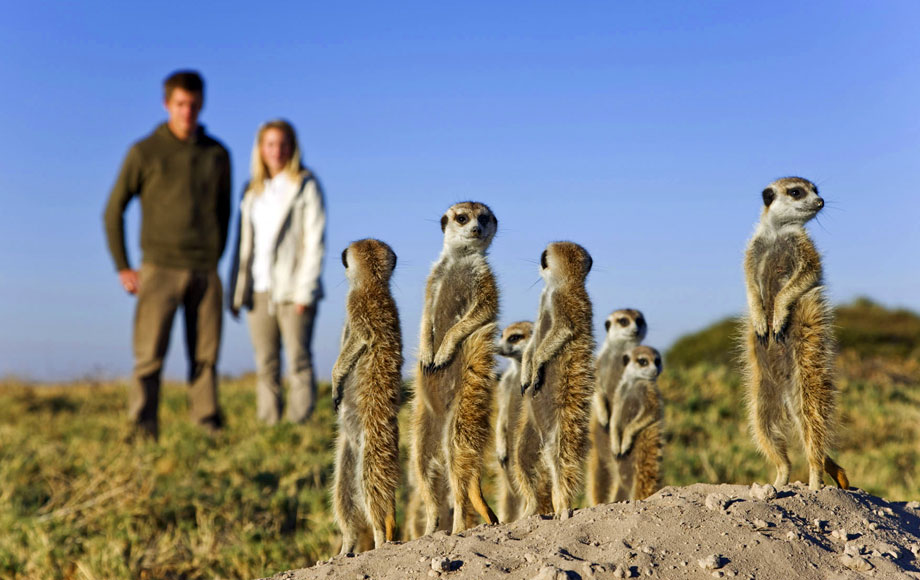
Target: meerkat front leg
[644,419]
[602,410]
[352,349]
[501,435]
[755,302]
[426,343]
[552,343]
[474,318]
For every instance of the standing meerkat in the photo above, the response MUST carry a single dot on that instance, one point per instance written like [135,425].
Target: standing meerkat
[635,426]
[511,345]
[557,368]
[790,341]
[366,382]
[456,373]
[626,329]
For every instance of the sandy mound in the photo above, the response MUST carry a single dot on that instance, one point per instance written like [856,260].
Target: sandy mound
[701,531]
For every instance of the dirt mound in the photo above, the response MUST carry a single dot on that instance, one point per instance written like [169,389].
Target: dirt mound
[700,531]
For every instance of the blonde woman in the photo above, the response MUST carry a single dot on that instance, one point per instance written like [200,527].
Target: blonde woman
[276,270]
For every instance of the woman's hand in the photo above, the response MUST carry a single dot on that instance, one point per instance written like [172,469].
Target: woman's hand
[300,309]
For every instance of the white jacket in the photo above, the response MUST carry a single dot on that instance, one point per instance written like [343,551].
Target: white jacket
[297,260]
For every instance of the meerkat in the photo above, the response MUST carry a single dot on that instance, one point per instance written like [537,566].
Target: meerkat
[789,338]
[635,426]
[456,372]
[557,369]
[625,329]
[511,345]
[366,386]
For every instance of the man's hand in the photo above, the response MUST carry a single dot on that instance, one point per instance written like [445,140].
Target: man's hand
[129,280]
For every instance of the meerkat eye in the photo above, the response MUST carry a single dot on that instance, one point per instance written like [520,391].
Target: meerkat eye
[795,193]
[543,263]
[462,219]
[624,322]
[515,338]
[643,362]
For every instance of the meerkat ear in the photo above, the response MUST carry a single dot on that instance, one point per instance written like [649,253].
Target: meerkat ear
[768,196]
[607,325]
[590,263]
[345,258]
[625,359]
[495,219]
[393,254]
[443,222]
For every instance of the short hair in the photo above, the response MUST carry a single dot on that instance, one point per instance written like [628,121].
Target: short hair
[187,80]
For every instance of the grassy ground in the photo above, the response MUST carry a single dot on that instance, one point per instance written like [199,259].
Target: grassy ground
[78,501]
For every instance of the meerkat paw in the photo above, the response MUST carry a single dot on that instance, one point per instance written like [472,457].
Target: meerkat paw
[761,330]
[780,326]
[440,360]
[563,514]
[336,398]
[537,380]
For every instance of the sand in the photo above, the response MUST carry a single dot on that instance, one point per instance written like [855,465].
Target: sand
[700,531]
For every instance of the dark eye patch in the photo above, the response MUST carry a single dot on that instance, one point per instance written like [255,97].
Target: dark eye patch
[461,219]
[624,322]
[515,338]
[643,362]
[484,219]
[795,193]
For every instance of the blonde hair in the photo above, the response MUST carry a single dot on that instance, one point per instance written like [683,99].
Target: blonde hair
[257,169]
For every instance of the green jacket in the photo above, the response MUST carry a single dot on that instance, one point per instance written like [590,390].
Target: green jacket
[184,187]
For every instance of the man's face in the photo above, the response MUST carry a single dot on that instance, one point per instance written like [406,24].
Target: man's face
[183,108]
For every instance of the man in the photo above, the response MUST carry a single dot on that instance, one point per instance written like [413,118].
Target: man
[182,177]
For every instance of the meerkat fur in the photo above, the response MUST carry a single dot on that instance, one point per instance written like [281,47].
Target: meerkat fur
[625,329]
[635,426]
[511,345]
[366,387]
[455,380]
[557,369]
[789,338]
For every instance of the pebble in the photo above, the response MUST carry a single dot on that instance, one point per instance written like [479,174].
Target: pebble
[763,492]
[853,549]
[761,524]
[551,573]
[434,574]
[886,549]
[914,505]
[440,564]
[717,501]
[857,563]
[841,535]
[712,562]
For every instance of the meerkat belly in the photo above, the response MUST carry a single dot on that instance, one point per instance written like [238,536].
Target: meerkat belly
[776,267]
[453,300]
[546,403]
[350,426]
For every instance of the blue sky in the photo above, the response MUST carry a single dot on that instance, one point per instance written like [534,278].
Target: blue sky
[644,131]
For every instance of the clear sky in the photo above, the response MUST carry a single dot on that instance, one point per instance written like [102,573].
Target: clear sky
[644,131]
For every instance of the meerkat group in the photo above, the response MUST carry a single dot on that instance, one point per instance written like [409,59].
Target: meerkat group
[556,402]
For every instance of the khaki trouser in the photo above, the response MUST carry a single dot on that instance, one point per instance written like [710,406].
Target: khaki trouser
[162,291]
[269,329]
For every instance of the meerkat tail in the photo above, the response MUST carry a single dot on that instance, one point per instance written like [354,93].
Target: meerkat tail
[837,473]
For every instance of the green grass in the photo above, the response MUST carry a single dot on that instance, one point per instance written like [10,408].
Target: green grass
[78,501]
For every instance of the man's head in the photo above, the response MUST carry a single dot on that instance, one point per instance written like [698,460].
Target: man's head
[183,97]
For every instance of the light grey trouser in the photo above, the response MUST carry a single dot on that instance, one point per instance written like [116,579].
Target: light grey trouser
[269,330]
[163,291]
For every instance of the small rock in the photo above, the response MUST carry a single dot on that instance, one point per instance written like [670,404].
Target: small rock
[853,549]
[886,549]
[362,576]
[712,562]
[588,569]
[647,549]
[434,574]
[873,526]
[857,563]
[620,572]
[763,492]
[440,564]
[717,501]
[792,536]
[819,525]
[718,574]
[914,505]
[841,535]
[529,557]
[761,524]
[551,573]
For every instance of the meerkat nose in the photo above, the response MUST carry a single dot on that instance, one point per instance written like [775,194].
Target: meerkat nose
[820,203]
